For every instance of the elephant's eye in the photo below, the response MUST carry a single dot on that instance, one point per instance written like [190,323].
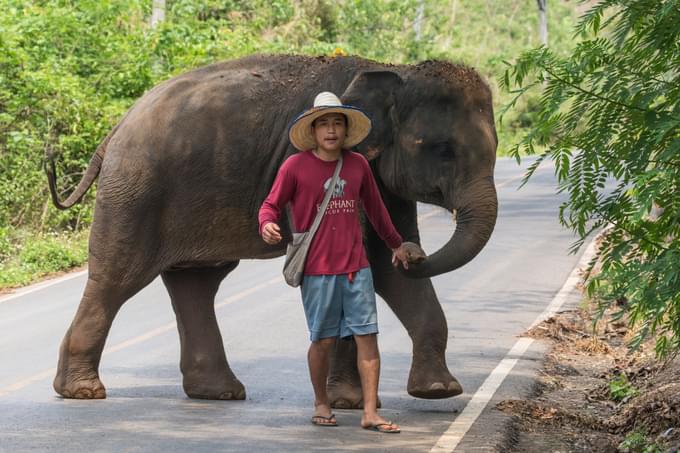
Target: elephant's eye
[443,149]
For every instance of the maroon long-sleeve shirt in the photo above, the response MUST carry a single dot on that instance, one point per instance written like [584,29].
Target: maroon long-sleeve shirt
[337,247]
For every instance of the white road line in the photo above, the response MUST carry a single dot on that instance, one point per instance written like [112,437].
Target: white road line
[41,285]
[450,439]
[509,181]
[138,339]
[27,381]
[173,325]
[432,213]
[460,426]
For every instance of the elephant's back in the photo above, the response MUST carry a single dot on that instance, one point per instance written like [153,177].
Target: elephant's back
[185,128]
[229,107]
[221,121]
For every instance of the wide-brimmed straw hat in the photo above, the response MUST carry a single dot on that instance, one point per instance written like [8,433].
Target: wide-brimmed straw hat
[358,123]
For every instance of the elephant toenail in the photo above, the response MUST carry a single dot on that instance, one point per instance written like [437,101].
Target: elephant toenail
[83,393]
[455,388]
[342,403]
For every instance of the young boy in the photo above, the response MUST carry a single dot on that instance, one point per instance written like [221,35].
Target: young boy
[337,289]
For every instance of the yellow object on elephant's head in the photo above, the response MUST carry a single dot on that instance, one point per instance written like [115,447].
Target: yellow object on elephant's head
[358,123]
[338,52]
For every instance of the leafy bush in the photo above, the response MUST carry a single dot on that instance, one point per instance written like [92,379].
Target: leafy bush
[611,111]
[37,255]
[6,248]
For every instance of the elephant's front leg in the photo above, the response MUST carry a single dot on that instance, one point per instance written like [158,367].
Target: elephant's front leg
[206,373]
[415,304]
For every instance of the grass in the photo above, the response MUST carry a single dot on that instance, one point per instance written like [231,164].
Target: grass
[26,256]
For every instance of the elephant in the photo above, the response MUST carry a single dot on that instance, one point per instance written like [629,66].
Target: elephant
[172,200]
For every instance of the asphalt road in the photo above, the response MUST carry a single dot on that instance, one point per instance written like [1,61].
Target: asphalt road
[488,303]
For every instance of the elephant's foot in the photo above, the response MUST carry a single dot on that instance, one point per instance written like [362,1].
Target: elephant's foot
[345,394]
[224,386]
[83,388]
[432,382]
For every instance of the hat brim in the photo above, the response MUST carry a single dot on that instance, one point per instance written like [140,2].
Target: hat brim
[358,126]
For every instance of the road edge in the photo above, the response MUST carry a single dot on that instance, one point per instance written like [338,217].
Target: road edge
[44,283]
[487,428]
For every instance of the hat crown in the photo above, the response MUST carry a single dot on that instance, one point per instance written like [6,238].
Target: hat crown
[326,99]
[358,123]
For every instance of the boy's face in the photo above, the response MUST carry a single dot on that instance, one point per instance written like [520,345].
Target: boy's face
[330,131]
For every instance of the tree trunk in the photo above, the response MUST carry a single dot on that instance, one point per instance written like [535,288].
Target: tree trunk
[158,12]
[543,17]
[418,22]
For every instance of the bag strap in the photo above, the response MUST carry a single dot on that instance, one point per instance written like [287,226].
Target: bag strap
[326,199]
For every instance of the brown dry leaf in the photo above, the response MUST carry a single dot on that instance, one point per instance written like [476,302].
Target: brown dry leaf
[548,413]
[592,345]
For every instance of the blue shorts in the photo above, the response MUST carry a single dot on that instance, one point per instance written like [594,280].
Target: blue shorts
[334,306]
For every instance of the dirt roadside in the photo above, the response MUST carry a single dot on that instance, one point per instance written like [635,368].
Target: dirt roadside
[593,394]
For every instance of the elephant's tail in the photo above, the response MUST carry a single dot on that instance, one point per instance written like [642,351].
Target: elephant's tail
[85,182]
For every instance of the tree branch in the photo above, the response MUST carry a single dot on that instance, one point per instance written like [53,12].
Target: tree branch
[597,96]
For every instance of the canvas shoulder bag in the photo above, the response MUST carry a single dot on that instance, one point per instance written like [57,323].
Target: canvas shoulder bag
[296,252]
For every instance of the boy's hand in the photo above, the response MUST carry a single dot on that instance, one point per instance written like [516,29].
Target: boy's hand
[271,234]
[408,252]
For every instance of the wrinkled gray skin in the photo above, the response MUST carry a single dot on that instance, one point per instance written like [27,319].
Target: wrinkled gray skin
[182,176]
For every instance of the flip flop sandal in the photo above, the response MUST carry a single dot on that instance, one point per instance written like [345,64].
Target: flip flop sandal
[327,421]
[383,428]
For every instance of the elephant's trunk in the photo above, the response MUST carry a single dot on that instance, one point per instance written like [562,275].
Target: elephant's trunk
[477,209]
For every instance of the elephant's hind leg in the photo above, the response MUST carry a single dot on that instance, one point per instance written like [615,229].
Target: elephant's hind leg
[81,349]
[344,383]
[206,373]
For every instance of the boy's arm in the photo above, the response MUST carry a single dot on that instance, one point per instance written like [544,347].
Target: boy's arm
[375,210]
[281,193]
[402,252]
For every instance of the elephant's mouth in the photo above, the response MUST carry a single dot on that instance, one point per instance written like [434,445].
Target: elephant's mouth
[475,217]
[435,197]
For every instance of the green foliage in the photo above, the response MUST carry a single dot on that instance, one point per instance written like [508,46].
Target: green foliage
[60,80]
[5,244]
[610,112]
[620,388]
[32,256]
[636,442]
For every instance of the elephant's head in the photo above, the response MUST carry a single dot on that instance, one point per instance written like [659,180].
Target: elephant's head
[433,140]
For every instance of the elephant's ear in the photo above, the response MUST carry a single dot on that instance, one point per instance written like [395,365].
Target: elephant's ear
[374,93]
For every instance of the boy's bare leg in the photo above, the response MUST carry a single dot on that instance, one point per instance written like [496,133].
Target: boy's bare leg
[318,359]
[368,362]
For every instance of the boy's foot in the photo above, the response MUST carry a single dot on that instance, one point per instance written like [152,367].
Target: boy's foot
[321,420]
[323,415]
[380,425]
[385,428]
